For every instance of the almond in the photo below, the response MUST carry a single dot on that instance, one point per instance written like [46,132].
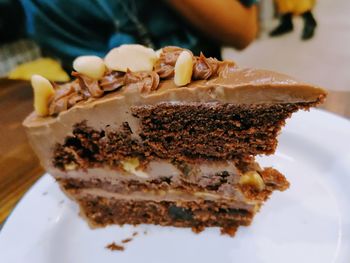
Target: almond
[253,179]
[183,68]
[130,165]
[91,66]
[133,57]
[43,92]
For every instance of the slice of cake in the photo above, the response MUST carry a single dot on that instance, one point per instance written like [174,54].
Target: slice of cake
[164,137]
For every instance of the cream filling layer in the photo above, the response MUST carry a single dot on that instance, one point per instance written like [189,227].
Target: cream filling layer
[171,195]
[155,169]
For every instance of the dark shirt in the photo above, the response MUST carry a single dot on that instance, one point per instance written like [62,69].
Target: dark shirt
[67,29]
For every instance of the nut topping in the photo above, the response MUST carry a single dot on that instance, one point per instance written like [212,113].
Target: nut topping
[183,68]
[43,93]
[130,165]
[252,178]
[91,66]
[133,57]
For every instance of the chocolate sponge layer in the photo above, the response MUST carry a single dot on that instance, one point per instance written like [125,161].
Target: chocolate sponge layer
[197,215]
[213,130]
[188,132]
[146,201]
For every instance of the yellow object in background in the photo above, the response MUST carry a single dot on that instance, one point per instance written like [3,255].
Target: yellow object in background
[296,7]
[46,67]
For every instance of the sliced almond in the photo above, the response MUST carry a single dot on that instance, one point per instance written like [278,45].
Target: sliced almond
[91,66]
[133,57]
[253,179]
[43,92]
[130,165]
[183,68]
[70,166]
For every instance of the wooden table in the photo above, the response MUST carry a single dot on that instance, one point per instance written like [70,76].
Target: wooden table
[19,167]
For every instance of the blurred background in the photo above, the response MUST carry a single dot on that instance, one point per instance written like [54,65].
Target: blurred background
[322,60]
[54,29]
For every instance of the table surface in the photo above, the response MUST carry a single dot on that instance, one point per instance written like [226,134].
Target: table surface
[20,168]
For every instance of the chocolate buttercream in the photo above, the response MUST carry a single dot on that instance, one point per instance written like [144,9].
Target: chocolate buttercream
[166,62]
[113,80]
[204,67]
[88,87]
[145,81]
[84,87]
[209,74]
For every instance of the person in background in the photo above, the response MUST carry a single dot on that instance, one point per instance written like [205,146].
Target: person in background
[11,21]
[67,29]
[288,8]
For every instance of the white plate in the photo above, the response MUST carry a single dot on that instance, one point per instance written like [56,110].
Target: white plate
[310,222]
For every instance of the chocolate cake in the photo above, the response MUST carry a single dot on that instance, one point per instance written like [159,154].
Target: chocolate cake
[166,137]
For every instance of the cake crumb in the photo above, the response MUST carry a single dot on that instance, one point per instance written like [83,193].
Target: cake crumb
[45,193]
[126,240]
[198,229]
[231,231]
[145,232]
[113,246]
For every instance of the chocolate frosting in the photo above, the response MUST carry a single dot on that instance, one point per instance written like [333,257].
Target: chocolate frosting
[204,67]
[84,87]
[113,80]
[167,60]
[208,74]
[144,81]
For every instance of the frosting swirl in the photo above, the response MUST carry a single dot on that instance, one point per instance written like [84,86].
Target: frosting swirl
[167,60]
[204,67]
[146,81]
[113,80]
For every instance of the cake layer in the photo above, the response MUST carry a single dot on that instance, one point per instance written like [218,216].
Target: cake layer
[221,184]
[132,168]
[88,148]
[212,130]
[191,131]
[101,211]
[193,200]
[169,196]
